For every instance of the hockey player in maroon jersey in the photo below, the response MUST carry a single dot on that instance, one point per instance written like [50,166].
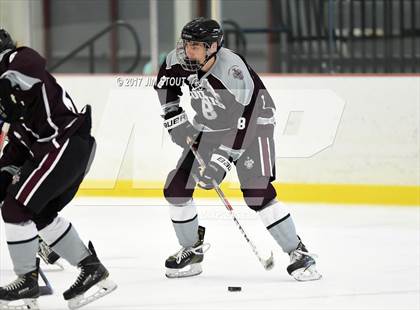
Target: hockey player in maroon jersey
[44,251]
[48,154]
[233,125]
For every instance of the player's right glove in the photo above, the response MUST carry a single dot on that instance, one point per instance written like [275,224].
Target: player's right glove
[216,170]
[179,128]
[5,180]
[10,109]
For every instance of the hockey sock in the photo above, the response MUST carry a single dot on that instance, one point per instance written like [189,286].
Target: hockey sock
[185,220]
[63,238]
[279,223]
[22,241]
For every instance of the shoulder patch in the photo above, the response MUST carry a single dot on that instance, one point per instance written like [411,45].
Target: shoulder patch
[236,72]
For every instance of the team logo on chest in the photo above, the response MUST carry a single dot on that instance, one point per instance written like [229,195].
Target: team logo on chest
[194,81]
[249,163]
[204,91]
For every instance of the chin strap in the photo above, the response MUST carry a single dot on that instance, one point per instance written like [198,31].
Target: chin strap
[211,55]
[208,57]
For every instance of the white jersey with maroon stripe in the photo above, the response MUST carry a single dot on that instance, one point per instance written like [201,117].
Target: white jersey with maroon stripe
[230,99]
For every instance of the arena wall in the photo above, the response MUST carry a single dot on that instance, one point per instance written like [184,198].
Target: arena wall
[340,139]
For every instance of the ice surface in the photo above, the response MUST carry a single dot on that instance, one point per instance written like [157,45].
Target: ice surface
[369,257]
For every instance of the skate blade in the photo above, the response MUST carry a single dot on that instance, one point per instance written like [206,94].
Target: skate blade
[187,271]
[28,304]
[306,274]
[104,287]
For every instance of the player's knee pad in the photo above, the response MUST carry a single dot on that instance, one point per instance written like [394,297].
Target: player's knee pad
[258,193]
[14,212]
[178,189]
[54,231]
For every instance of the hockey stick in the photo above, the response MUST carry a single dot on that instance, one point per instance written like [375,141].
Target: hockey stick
[47,288]
[267,263]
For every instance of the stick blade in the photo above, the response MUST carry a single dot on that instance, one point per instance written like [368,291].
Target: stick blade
[45,290]
[268,263]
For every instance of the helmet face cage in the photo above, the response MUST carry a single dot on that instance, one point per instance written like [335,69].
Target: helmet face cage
[187,63]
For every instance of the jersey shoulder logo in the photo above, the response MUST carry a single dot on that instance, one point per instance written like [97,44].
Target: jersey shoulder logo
[236,72]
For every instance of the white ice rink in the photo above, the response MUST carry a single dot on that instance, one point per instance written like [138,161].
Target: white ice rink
[369,257]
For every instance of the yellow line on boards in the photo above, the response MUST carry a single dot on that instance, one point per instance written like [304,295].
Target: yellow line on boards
[329,193]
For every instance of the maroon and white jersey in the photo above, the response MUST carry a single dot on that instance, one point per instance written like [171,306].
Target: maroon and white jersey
[230,100]
[51,116]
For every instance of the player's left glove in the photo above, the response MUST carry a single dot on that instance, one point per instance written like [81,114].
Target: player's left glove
[179,128]
[217,168]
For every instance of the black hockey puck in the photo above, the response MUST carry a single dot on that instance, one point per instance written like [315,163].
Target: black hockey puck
[234,288]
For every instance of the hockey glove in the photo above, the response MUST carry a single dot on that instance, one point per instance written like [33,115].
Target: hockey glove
[10,110]
[179,128]
[5,180]
[216,169]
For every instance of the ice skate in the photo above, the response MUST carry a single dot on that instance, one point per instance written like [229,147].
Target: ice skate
[93,275]
[302,264]
[187,261]
[21,294]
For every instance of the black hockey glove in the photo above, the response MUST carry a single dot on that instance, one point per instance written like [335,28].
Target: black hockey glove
[10,110]
[5,180]
[216,169]
[179,128]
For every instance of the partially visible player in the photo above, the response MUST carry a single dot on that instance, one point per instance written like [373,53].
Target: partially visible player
[233,124]
[44,251]
[49,151]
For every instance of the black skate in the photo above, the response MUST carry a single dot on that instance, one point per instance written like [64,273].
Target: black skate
[186,262]
[302,264]
[92,273]
[48,255]
[25,288]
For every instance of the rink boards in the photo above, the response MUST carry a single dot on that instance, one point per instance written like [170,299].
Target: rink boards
[341,139]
